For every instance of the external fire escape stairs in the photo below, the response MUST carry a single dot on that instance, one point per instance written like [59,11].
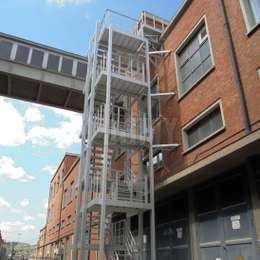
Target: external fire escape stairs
[117,116]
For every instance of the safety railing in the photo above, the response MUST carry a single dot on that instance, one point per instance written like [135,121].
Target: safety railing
[130,66]
[118,21]
[42,57]
[120,121]
[121,235]
[151,21]
[119,187]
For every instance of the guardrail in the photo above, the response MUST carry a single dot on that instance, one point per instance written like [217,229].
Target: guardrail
[118,21]
[120,121]
[123,64]
[119,187]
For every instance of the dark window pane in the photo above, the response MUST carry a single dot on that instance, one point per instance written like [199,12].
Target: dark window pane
[53,62]
[205,127]
[5,49]
[163,213]
[22,54]
[179,208]
[194,59]
[66,66]
[232,192]
[37,58]
[81,70]
[205,200]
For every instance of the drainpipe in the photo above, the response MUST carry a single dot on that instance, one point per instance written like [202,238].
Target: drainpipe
[235,68]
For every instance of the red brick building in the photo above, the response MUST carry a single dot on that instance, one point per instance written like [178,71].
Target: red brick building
[61,206]
[208,188]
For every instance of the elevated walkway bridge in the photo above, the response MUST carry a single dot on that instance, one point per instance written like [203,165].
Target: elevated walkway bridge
[41,74]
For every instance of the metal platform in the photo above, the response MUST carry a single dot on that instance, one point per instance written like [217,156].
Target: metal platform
[120,85]
[122,40]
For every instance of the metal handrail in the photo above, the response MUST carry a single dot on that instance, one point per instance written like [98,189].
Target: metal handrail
[126,65]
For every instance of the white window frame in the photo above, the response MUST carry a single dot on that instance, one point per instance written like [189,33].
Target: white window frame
[245,14]
[195,29]
[193,122]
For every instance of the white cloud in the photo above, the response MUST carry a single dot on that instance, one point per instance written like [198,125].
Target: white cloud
[41,215]
[33,114]
[12,131]
[62,3]
[4,203]
[10,225]
[9,170]
[45,203]
[28,218]
[66,134]
[50,169]
[28,227]
[15,226]
[24,203]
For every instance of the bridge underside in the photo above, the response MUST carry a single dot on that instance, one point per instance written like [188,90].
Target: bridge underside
[26,89]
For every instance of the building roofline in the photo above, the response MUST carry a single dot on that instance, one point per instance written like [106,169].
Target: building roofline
[152,14]
[66,154]
[71,168]
[181,10]
[43,46]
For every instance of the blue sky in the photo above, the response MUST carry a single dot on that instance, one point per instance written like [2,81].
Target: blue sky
[33,138]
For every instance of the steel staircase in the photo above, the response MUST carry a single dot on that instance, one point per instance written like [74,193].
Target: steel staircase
[117,114]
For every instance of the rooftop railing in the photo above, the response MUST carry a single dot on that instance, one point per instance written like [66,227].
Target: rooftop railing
[119,22]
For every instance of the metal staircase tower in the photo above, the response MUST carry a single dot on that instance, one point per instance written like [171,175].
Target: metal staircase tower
[117,116]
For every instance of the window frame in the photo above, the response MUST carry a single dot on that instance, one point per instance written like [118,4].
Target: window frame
[196,28]
[249,28]
[196,120]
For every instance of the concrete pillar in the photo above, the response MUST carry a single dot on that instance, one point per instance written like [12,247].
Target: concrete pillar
[255,199]
[192,226]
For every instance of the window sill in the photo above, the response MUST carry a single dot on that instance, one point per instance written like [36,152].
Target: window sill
[181,96]
[187,150]
[253,29]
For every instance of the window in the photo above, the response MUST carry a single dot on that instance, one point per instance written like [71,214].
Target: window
[193,58]
[68,219]
[64,203]
[37,58]
[81,70]
[5,49]
[157,160]
[251,10]
[22,54]
[53,62]
[62,223]
[209,123]
[155,100]
[66,66]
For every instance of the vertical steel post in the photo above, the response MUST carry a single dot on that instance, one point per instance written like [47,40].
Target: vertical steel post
[150,131]
[82,245]
[82,163]
[101,255]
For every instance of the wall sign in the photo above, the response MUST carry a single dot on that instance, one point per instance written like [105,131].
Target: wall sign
[235,221]
[179,232]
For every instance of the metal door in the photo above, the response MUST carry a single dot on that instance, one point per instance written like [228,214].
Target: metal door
[172,232]
[224,221]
